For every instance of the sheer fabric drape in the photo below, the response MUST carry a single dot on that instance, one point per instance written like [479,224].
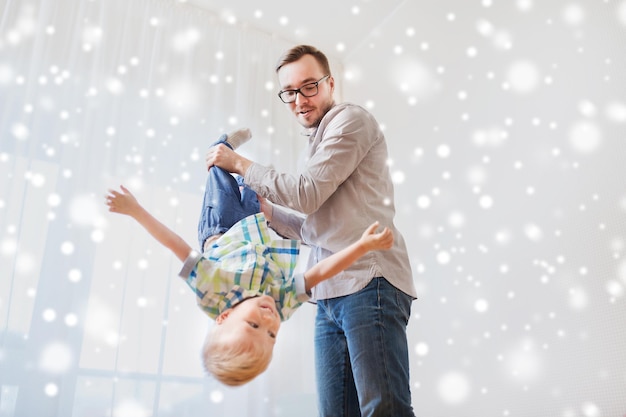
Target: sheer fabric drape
[94,94]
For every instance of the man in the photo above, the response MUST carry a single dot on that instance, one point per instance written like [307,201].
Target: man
[361,352]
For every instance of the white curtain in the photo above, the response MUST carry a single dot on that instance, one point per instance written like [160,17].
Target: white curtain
[94,94]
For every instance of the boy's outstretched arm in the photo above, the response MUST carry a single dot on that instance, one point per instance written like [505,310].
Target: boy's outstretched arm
[337,262]
[124,202]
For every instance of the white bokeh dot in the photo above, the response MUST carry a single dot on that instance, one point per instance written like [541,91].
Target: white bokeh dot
[481,305]
[523,77]
[621,12]
[97,235]
[524,361]
[75,275]
[84,210]
[453,387]
[578,298]
[443,257]
[37,180]
[8,246]
[217,396]
[590,409]
[67,248]
[56,358]
[25,263]
[456,219]
[49,315]
[585,137]
[477,175]
[54,200]
[51,390]
[398,177]
[443,151]
[485,201]
[20,131]
[573,14]
[533,232]
[130,408]
[423,201]
[524,5]
[421,349]
[71,320]
[616,111]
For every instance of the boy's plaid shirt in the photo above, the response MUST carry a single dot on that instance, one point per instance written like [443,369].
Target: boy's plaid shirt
[243,263]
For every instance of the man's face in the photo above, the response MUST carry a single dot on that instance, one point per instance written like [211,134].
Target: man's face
[307,110]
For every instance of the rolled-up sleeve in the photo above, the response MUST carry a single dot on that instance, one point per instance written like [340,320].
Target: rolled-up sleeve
[189,264]
[301,294]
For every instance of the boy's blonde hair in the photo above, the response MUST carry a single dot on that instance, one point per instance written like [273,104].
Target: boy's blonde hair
[234,363]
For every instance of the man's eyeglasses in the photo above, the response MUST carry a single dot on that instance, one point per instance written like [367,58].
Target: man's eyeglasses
[307,90]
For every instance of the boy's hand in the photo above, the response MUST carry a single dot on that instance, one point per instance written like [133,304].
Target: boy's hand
[375,241]
[266,207]
[124,202]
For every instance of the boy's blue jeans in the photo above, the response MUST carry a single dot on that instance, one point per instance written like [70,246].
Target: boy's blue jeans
[361,353]
[224,203]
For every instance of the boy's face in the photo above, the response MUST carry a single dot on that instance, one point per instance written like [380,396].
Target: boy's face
[255,318]
[307,110]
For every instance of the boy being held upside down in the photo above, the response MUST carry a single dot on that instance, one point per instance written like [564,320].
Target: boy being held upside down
[243,279]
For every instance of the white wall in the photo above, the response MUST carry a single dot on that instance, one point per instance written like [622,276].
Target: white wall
[506,124]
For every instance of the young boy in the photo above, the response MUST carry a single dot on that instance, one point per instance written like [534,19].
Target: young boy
[243,279]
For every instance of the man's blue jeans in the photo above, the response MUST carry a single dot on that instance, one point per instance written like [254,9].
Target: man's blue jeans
[361,353]
[224,203]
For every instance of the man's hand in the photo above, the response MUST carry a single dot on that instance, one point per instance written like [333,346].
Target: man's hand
[227,159]
[374,241]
